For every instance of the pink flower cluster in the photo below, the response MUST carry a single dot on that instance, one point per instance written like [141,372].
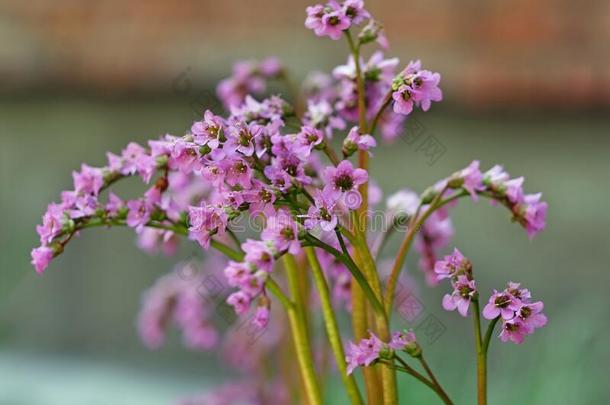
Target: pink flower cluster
[248,78]
[458,270]
[333,18]
[175,299]
[415,87]
[371,349]
[495,184]
[520,316]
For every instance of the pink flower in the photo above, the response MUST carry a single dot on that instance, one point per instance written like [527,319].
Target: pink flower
[307,139]
[114,204]
[205,221]
[355,141]
[259,253]
[320,115]
[535,214]
[452,265]
[322,213]
[415,87]
[531,316]
[365,353]
[403,100]
[41,257]
[237,273]
[425,88]
[501,304]
[400,340]
[463,291]
[138,215]
[435,234]
[208,131]
[89,180]
[345,179]
[513,330]
[283,232]
[514,190]
[329,20]
[238,172]
[51,223]
[243,138]
[136,160]
[473,178]
[354,10]
[240,301]
[261,317]
[184,156]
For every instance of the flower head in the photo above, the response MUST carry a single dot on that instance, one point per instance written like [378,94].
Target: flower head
[345,179]
[363,354]
[41,257]
[463,292]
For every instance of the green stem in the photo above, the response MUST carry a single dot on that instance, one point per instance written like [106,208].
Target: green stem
[432,383]
[330,153]
[439,389]
[490,329]
[299,332]
[481,355]
[353,269]
[332,328]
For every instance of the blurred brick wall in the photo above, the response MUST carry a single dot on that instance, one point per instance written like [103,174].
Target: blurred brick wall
[549,52]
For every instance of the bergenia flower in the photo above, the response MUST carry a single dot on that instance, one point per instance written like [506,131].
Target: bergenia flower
[501,304]
[205,221]
[322,213]
[240,301]
[89,180]
[354,10]
[356,141]
[364,354]
[452,266]
[400,340]
[463,292]
[534,214]
[41,257]
[343,181]
[260,254]
[283,232]
[531,315]
[513,330]
[473,179]
[208,131]
[403,100]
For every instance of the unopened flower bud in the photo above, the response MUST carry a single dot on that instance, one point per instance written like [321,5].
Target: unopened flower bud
[413,349]
[428,195]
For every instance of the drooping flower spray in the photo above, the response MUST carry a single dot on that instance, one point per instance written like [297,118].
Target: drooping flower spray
[274,163]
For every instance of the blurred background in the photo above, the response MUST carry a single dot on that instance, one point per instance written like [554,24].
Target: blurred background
[526,84]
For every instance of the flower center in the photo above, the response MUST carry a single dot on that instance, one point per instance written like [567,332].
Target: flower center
[344,182]
[502,301]
[287,233]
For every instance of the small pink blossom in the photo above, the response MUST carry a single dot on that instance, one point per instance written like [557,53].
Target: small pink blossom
[400,340]
[344,179]
[501,304]
[89,180]
[240,301]
[463,292]
[365,353]
[41,257]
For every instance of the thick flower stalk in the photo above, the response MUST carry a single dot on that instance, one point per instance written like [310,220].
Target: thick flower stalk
[272,164]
